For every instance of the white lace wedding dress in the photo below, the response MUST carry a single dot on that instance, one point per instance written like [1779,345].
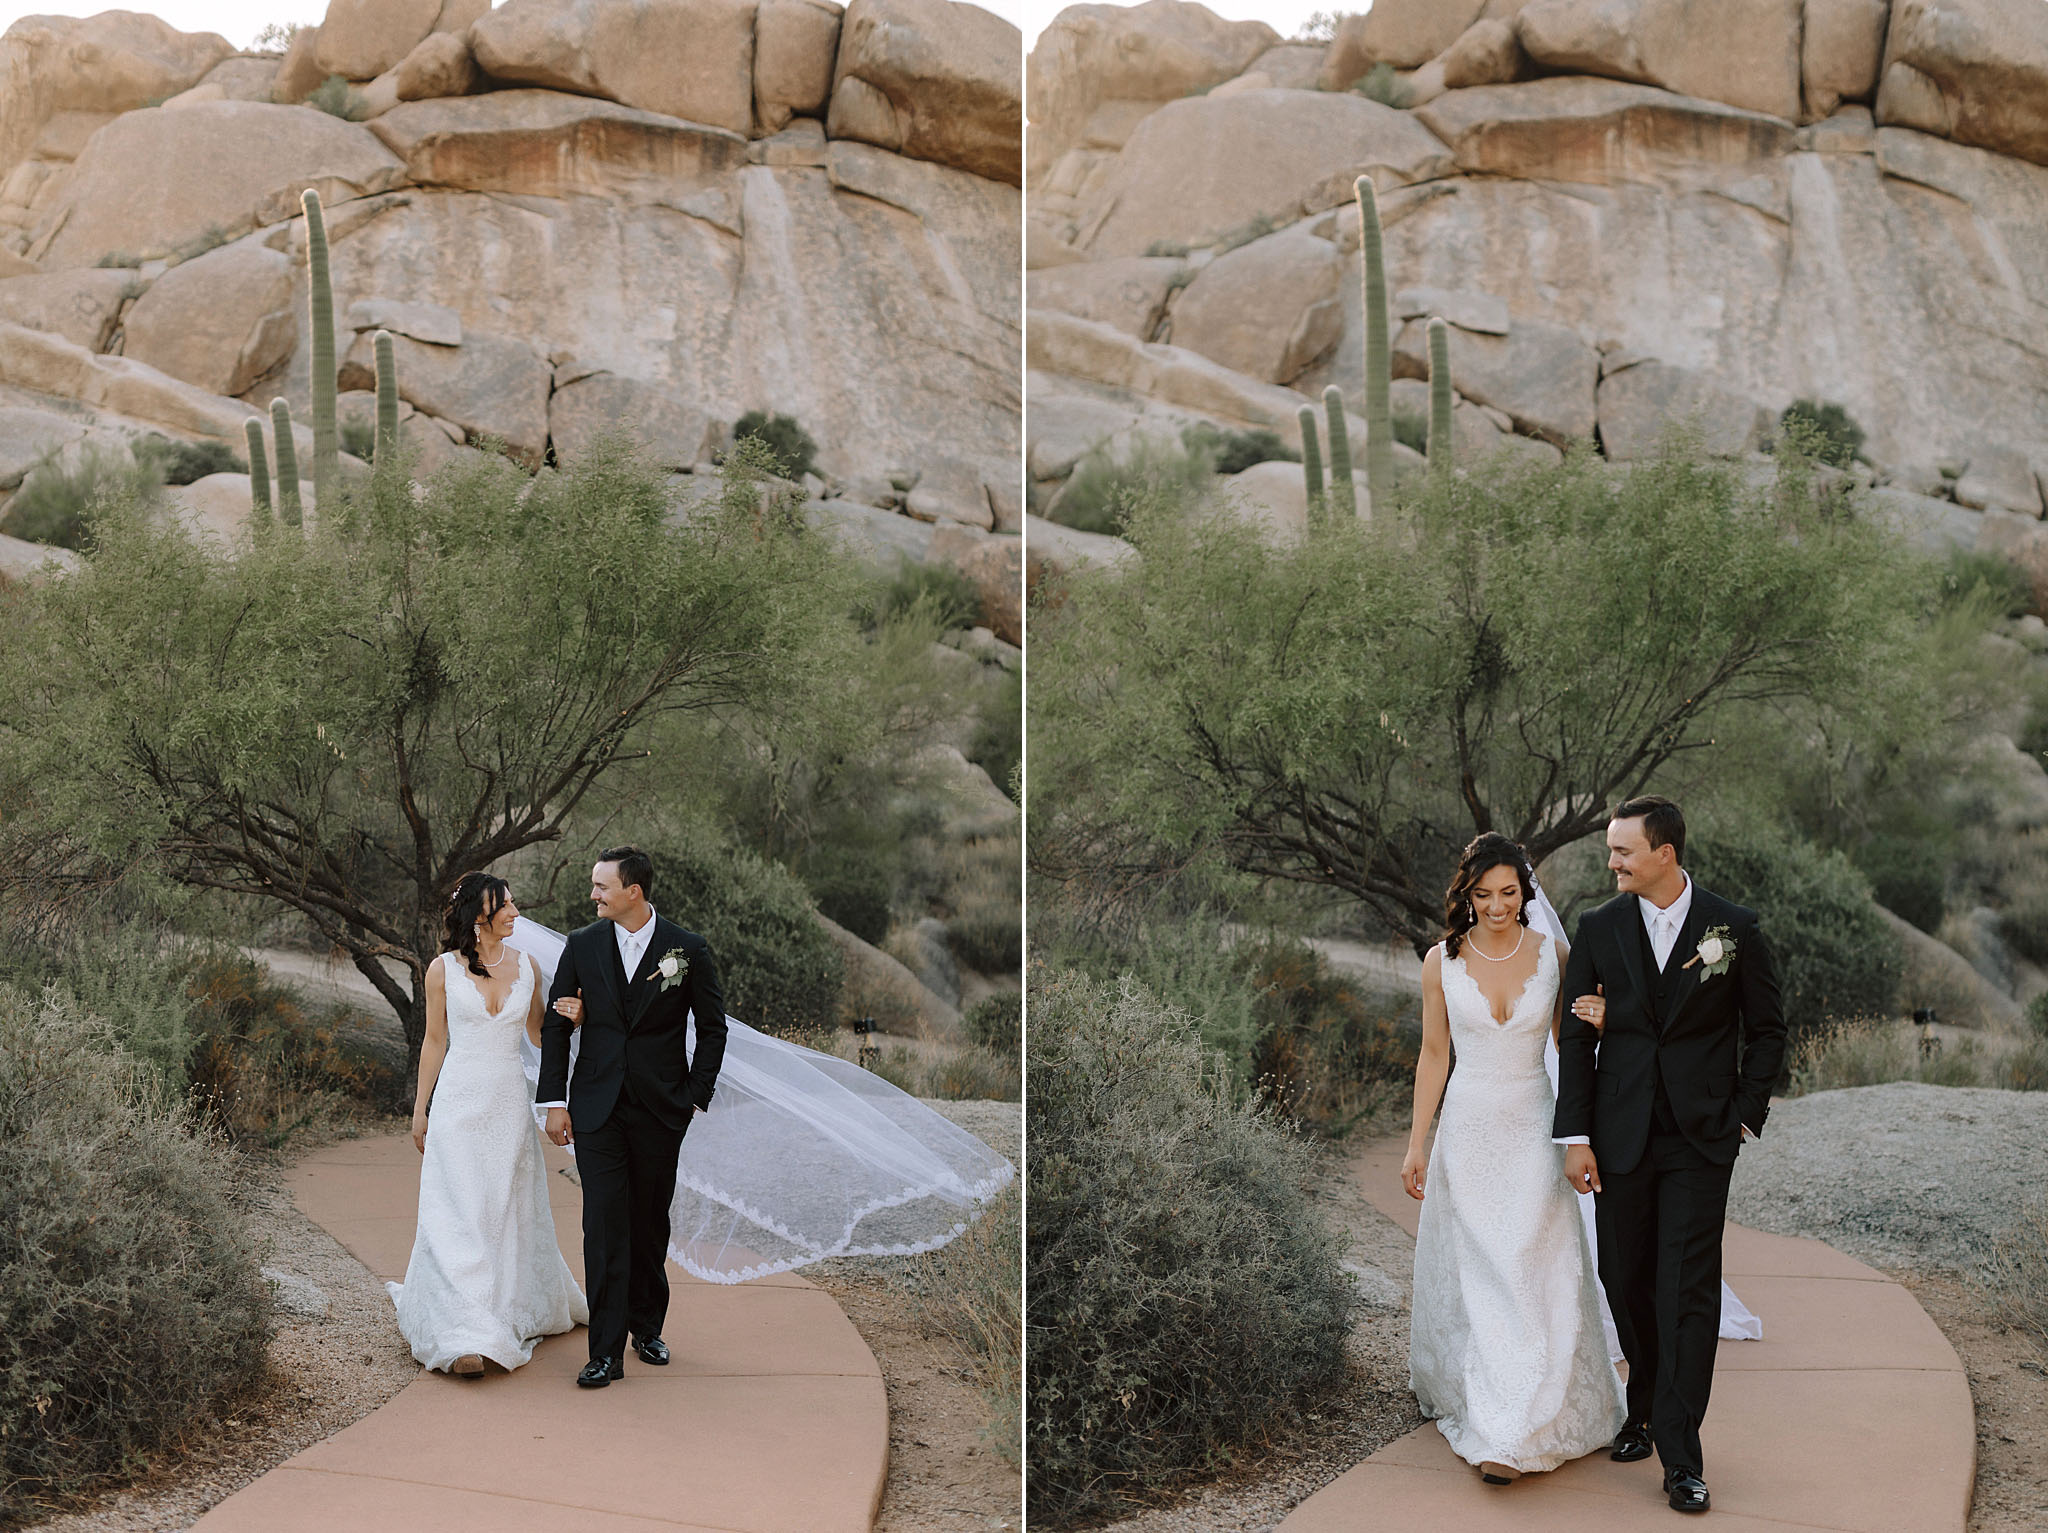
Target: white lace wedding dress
[486,1275]
[1506,1349]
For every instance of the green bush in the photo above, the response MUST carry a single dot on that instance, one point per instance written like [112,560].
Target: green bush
[1378,84]
[1971,572]
[851,889]
[1835,957]
[56,502]
[1411,429]
[2026,1067]
[1330,1054]
[186,462]
[942,590]
[1254,228]
[794,451]
[2037,1014]
[1104,487]
[1835,437]
[998,743]
[1184,1294]
[2023,926]
[971,1075]
[1873,1051]
[358,434]
[1908,876]
[985,894]
[333,97]
[997,1023]
[131,1306]
[1232,452]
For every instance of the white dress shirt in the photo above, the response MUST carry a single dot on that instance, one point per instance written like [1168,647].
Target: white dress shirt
[632,948]
[1663,926]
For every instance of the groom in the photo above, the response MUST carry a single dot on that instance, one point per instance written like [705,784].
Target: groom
[639,979]
[1693,1041]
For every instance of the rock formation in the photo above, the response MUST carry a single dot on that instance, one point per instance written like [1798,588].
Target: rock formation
[1629,212]
[782,207]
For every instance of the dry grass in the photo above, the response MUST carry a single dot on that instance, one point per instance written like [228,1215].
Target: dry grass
[972,1291]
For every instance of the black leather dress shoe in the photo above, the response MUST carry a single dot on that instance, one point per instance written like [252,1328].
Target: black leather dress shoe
[652,1350]
[600,1371]
[1686,1490]
[1633,1443]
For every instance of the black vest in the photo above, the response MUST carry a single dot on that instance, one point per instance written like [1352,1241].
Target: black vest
[1663,984]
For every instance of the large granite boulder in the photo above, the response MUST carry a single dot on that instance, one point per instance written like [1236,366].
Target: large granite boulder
[1402,33]
[490,385]
[1841,52]
[361,39]
[1544,376]
[1267,309]
[1129,292]
[82,306]
[298,73]
[1975,71]
[796,43]
[932,79]
[1639,403]
[1197,169]
[1742,52]
[440,65]
[220,322]
[29,436]
[153,182]
[692,59]
[671,431]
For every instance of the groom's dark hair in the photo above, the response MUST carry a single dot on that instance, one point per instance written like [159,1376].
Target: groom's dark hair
[1663,822]
[635,867]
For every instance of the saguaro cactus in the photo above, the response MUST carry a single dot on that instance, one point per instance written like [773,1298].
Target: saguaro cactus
[1311,462]
[1439,396]
[326,433]
[289,509]
[1379,365]
[387,399]
[1343,493]
[259,476]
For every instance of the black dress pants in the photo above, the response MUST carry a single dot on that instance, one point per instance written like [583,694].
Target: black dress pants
[628,1170]
[1660,1262]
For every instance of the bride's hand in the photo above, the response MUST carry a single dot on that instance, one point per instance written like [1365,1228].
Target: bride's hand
[419,1132]
[1414,1170]
[571,1006]
[1592,1009]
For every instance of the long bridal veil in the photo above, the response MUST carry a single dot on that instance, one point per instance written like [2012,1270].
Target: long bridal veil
[802,1156]
[1737,1323]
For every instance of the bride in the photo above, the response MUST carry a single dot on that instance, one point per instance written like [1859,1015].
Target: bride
[1506,1348]
[802,1156]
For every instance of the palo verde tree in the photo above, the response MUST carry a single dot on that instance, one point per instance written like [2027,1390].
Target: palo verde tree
[1511,649]
[346,721]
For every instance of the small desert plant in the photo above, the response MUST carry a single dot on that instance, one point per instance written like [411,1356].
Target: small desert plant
[2018,1271]
[276,36]
[333,97]
[1331,1054]
[1379,84]
[946,593]
[1233,451]
[1318,27]
[2026,1067]
[358,436]
[1833,437]
[1872,1051]
[1255,228]
[2037,1014]
[1411,429]
[971,1075]
[794,451]
[118,259]
[1104,486]
[212,237]
[997,1023]
[56,502]
[186,462]
[851,889]
[972,1292]
[1183,1292]
[131,1305]
[983,891]
[1174,248]
[998,743]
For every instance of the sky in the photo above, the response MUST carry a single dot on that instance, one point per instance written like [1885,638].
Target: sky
[240,20]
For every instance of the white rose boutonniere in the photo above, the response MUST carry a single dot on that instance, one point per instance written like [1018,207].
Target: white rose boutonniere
[1716,952]
[672,966]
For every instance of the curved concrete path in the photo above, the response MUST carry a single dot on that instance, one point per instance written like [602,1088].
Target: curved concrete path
[771,1419]
[1852,1414]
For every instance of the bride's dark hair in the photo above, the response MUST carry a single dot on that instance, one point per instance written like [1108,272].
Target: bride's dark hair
[1481,856]
[477,897]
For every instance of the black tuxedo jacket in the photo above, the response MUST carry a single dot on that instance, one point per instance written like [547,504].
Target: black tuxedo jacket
[632,1028]
[1717,1041]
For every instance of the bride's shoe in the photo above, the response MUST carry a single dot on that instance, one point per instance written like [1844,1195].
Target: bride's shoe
[468,1366]
[1498,1474]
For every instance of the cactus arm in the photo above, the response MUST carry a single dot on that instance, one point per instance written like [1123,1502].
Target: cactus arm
[1343,493]
[289,509]
[1311,463]
[259,476]
[326,434]
[1439,396]
[1379,367]
[387,399]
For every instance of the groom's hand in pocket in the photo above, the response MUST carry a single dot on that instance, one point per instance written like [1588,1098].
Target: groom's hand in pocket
[1581,1170]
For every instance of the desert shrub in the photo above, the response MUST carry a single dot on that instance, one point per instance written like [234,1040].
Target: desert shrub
[1835,437]
[1184,1294]
[1379,84]
[1972,573]
[1104,487]
[333,97]
[131,1307]
[57,501]
[997,1023]
[1318,27]
[778,968]
[986,927]
[970,1075]
[118,260]
[2018,1273]
[998,743]
[2037,1014]
[2023,926]
[1871,1051]
[186,462]
[1234,451]
[941,590]
[972,1292]
[851,889]
[794,451]
[212,237]
[1908,876]
[1175,248]
[130,981]
[1330,1054]
[1834,955]
[1411,429]
[1255,228]
[358,434]
[2026,1067]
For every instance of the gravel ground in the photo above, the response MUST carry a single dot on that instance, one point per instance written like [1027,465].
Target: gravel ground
[1909,1178]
